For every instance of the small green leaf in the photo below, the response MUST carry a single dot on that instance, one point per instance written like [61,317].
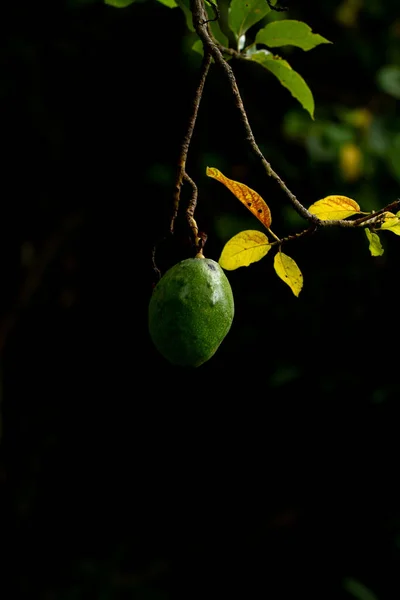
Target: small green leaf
[375,246]
[243,15]
[289,33]
[198,47]
[119,3]
[169,3]
[185,6]
[392,225]
[288,78]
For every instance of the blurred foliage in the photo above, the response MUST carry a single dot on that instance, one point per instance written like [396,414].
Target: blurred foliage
[272,470]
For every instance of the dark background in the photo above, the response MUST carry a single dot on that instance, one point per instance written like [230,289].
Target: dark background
[272,470]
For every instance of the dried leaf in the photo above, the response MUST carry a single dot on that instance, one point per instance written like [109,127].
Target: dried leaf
[247,196]
[243,249]
[334,207]
[289,272]
[375,246]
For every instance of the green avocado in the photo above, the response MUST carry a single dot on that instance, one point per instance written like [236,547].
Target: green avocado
[191,311]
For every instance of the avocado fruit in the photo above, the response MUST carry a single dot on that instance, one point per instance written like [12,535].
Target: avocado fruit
[190,311]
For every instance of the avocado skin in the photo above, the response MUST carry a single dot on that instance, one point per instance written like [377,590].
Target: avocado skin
[190,312]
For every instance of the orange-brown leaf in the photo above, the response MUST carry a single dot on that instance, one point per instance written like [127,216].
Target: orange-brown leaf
[251,199]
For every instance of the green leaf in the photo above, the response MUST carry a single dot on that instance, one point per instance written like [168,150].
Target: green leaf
[185,6]
[198,47]
[119,3]
[388,79]
[244,14]
[288,78]
[215,28]
[243,249]
[169,3]
[289,33]
[375,246]
[392,225]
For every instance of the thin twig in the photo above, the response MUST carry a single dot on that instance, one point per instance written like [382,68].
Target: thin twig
[191,208]
[181,173]
[366,221]
[205,66]
[199,22]
[369,219]
[295,236]
[217,51]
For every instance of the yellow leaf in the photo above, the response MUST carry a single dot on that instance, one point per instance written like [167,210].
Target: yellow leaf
[334,207]
[391,223]
[289,272]
[243,249]
[375,246]
[247,196]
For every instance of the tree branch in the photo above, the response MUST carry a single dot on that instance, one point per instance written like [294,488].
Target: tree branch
[210,45]
[181,174]
[216,50]
[188,137]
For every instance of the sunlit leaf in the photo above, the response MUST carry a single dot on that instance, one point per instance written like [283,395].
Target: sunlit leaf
[288,78]
[251,199]
[334,207]
[243,249]
[289,272]
[289,33]
[243,15]
[391,223]
[119,3]
[390,219]
[375,246]
[358,590]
